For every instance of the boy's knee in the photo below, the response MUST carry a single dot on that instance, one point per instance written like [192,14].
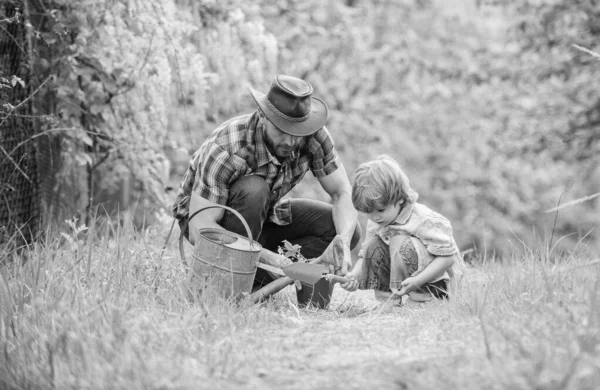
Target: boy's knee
[403,245]
[403,249]
[374,247]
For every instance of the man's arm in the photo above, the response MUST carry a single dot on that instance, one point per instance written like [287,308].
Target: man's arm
[337,185]
[206,219]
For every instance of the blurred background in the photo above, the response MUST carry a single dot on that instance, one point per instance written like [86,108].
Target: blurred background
[491,107]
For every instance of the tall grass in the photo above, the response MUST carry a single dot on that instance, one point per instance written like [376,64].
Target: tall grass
[100,308]
[540,319]
[94,307]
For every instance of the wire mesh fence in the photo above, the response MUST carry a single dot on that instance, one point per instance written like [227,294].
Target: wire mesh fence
[19,179]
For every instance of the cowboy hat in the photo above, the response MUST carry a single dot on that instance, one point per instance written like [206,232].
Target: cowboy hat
[289,105]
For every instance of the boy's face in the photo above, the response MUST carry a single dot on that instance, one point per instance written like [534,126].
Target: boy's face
[386,215]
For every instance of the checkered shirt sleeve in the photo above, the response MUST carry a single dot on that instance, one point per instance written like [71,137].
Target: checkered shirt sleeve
[218,169]
[325,158]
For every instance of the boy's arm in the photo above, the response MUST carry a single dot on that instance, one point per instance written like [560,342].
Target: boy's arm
[434,270]
[372,229]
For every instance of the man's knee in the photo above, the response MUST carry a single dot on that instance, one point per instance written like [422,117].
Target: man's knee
[250,189]
[249,196]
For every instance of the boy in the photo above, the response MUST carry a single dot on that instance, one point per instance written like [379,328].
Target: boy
[409,248]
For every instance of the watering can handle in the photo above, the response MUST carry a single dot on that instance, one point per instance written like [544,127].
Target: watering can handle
[234,212]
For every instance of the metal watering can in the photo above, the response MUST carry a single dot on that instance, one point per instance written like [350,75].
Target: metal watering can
[222,261]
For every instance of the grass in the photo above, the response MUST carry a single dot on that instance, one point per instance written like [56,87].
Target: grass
[100,308]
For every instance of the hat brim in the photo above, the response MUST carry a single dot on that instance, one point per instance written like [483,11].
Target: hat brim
[315,121]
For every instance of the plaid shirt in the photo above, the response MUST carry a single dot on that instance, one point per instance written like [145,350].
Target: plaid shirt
[237,148]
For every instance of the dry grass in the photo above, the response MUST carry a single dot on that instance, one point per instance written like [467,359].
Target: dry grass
[97,309]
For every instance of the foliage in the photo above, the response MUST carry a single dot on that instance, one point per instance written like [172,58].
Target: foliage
[456,102]
[490,110]
[109,77]
[554,34]
[131,79]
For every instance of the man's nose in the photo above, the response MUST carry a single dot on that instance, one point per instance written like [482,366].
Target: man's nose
[290,140]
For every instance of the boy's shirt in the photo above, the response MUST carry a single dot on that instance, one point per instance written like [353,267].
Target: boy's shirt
[431,234]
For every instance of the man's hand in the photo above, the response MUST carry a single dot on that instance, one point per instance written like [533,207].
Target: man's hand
[352,285]
[338,253]
[408,285]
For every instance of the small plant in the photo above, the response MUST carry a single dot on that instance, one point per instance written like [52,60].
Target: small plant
[291,251]
[74,237]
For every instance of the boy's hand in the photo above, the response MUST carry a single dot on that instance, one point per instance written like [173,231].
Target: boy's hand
[408,285]
[352,285]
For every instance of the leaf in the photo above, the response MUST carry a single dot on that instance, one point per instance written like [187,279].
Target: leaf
[87,140]
[63,90]
[96,109]
[291,251]
[17,79]
[83,159]
[68,238]
[288,245]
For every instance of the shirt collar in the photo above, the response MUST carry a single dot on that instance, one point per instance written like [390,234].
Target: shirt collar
[404,214]
[263,155]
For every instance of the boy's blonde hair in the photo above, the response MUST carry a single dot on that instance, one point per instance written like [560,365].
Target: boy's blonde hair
[380,183]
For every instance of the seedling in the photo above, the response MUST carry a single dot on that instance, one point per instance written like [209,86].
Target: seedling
[292,252]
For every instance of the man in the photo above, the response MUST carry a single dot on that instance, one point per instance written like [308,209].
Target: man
[251,161]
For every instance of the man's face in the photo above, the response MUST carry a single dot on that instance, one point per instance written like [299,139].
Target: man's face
[279,143]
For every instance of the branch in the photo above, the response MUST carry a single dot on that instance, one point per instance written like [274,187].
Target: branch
[14,41]
[24,101]
[15,164]
[104,158]
[178,67]
[48,131]
[139,71]
[12,19]
[574,202]
[588,51]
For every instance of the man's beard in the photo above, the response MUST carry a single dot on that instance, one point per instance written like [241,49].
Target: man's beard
[273,150]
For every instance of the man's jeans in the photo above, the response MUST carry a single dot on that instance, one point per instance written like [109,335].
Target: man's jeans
[312,222]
